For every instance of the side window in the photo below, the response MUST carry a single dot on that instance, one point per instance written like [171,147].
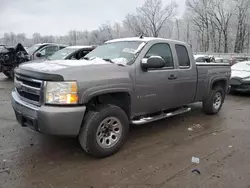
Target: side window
[50,50]
[85,52]
[182,55]
[163,50]
[61,47]
[80,54]
[42,52]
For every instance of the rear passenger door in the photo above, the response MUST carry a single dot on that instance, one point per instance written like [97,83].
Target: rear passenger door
[185,87]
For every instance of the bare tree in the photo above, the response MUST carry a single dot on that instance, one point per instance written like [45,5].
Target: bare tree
[106,31]
[150,17]
[178,29]
[72,37]
[136,24]
[199,12]
[221,15]
[242,8]
[36,38]
[188,33]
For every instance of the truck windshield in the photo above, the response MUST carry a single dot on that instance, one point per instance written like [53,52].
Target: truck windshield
[118,52]
[61,54]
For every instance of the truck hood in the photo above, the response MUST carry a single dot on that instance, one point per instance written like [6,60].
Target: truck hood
[74,69]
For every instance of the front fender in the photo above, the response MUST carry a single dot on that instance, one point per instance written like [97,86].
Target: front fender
[106,89]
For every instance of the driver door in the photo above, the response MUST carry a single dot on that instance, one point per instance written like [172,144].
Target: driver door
[155,87]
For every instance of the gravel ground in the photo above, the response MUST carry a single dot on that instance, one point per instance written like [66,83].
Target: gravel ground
[156,155]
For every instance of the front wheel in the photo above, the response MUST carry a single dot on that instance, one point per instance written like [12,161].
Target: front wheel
[104,130]
[212,105]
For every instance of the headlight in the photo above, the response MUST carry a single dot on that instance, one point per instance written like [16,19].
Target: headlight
[61,93]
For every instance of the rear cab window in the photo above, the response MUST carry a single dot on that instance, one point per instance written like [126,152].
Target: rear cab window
[163,50]
[183,57]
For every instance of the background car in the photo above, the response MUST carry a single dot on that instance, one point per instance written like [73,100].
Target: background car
[238,59]
[11,57]
[72,52]
[240,77]
[44,50]
[204,59]
[222,60]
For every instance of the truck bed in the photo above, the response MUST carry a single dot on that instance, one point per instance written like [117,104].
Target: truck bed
[208,72]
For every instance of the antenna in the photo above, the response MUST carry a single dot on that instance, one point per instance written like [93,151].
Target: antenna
[141,36]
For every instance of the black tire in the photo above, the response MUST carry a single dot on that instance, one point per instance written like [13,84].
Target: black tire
[88,133]
[208,104]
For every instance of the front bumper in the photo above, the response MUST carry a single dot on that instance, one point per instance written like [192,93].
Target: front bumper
[240,85]
[51,120]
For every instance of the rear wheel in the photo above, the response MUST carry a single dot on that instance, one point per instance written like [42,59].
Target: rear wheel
[212,105]
[104,131]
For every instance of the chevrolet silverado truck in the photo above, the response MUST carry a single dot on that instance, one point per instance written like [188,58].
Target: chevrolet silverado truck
[122,82]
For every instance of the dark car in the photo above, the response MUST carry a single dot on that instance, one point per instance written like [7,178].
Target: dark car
[72,53]
[44,50]
[11,57]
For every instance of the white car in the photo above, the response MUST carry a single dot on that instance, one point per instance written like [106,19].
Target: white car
[240,77]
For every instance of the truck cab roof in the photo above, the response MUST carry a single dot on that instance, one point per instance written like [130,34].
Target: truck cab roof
[145,39]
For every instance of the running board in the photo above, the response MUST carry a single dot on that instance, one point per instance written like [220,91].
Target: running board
[161,116]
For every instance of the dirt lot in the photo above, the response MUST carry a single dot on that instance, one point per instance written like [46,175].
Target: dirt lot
[156,155]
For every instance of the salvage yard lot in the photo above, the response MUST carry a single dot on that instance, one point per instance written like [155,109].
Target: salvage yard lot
[155,155]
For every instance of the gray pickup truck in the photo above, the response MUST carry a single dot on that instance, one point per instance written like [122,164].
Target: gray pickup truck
[122,82]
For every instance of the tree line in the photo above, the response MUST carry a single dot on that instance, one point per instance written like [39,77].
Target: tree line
[207,25]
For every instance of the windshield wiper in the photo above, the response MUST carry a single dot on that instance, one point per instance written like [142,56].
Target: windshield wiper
[109,60]
[119,64]
[86,58]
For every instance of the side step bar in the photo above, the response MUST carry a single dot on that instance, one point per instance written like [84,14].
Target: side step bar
[161,116]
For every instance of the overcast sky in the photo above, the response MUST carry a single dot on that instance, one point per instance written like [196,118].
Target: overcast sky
[57,17]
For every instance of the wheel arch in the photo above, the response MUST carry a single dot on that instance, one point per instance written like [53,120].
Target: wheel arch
[119,97]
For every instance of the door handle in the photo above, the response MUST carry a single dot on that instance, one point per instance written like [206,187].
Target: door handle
[172,77]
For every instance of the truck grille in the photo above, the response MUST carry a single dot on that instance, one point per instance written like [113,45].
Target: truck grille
[29,89]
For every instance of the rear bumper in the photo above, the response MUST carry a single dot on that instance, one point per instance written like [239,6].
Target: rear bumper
[62,121]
